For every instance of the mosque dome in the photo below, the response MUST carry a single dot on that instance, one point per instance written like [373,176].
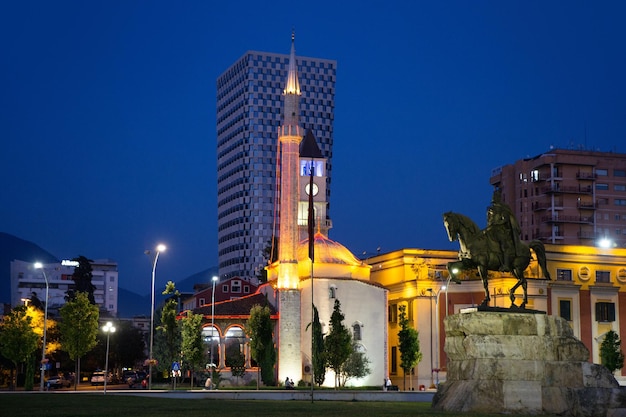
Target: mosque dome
[331,259]
[327,251]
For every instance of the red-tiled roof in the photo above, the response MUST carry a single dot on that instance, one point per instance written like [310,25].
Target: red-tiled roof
[236,308]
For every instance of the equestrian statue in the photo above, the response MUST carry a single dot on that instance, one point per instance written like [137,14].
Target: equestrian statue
[496,248]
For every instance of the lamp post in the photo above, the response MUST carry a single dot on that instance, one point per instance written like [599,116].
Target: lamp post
[214,279]
[39,265]
[108,329]
[435,369]
[160,248]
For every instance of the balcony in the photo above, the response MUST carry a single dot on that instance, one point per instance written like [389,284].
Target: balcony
[545,205]
[548,236]
[569,189]
[586,235]
[588,176]
[568,219]
[586,205]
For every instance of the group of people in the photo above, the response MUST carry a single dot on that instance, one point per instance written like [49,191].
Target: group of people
[289,383]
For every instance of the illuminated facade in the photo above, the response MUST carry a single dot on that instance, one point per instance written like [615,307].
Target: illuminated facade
[567,197]
[588,289]
[335,274]
[25,280]
[312,161]
[249,115]
[289,138]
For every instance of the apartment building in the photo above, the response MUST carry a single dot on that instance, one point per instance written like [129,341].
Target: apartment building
[567,197]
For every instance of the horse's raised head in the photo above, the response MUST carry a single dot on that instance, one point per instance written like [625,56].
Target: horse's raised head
[450,225]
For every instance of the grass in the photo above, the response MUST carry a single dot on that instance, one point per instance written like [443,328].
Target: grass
[93,405]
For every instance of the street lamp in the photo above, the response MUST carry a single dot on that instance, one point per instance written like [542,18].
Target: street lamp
[160,248]
[108,329]
[39,265]
[214,279]
[435,296]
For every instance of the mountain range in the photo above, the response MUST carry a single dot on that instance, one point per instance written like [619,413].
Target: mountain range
[130,304]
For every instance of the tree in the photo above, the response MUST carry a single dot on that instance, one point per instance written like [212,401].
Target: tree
[259,329]
[126,348]
[52,341]
[192,347]
[270,253]
[36,316]
[318,356]
[82,276]
[18,340]
[357,366]
[129,345]
[409,344]
[79,327]
[611,355]
[338,342]
[168,328]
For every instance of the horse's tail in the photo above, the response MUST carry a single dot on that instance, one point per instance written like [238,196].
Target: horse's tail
[540,250]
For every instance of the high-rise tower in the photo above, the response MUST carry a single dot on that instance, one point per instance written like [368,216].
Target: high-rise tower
[249,114]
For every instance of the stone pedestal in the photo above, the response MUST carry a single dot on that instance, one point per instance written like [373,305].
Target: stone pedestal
[521,363]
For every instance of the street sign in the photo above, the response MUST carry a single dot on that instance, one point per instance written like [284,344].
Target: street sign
[175,366]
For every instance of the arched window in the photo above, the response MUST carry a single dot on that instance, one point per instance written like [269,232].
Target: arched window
[234,343]
[356,331]
[211,337]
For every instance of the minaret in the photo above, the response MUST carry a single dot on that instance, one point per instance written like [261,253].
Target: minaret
[289,137]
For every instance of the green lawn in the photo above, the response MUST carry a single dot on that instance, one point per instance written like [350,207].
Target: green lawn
[95,405]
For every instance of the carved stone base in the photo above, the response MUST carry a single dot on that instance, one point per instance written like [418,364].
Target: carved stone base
[517,363]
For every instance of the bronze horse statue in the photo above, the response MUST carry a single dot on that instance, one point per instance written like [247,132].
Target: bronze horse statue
[480,250]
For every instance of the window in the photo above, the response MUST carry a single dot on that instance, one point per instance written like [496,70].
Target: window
[224,288]
[605,311]
[394,360]
[565,309]
[563,274]
[235,286]
[201,301]
[619,173]
[619,187]
[534,175]
[602,172]
[332,292]
[246,289]
[602,186]
[393,313]
[603,276]
[356,331]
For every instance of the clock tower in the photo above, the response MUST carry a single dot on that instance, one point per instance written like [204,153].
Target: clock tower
[312,162]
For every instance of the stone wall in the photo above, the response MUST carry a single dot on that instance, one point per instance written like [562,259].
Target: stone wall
[523,363]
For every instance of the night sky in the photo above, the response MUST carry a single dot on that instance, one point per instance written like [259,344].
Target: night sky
[107,118]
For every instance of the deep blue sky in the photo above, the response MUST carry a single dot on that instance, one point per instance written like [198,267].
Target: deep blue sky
[107,113]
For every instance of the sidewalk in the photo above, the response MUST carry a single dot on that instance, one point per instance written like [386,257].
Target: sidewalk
[290,395]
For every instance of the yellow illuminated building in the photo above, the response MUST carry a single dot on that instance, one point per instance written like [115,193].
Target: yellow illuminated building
[588,289]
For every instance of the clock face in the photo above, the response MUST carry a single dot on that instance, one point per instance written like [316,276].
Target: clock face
[315,189]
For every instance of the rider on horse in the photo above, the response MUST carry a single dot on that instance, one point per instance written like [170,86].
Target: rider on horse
[502,227]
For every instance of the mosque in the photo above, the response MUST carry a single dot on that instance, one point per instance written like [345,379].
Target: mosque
[295,282]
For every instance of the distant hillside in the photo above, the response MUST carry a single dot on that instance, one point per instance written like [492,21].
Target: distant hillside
[203,277]
[130,304]
[12,248]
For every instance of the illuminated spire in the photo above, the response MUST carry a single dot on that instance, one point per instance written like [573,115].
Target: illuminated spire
[292,86]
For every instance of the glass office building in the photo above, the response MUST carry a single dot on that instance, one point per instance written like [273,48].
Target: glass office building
[249,114]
